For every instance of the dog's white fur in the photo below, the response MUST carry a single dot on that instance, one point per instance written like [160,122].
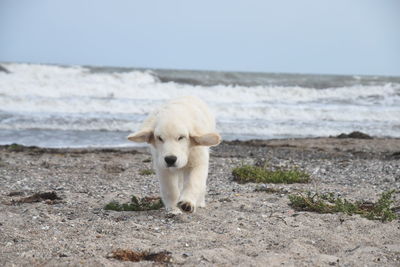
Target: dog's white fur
[184,128]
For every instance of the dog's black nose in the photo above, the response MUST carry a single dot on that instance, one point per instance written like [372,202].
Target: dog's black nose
[170,160]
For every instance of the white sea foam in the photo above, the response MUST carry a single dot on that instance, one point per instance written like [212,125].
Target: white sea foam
[74,98]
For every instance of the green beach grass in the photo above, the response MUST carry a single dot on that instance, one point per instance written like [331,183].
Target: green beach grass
[254,174]
[328,203]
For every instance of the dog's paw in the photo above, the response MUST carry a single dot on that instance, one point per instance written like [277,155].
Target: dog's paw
[186,206]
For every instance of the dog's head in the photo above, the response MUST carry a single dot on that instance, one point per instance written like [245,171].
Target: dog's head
[172,142]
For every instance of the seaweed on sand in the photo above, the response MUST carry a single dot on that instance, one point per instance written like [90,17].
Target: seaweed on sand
[146,203]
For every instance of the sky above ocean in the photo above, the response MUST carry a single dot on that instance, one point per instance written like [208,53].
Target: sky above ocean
[311,36]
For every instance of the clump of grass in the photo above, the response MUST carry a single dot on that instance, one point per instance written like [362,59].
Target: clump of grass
[256,174]
[328,203]
[146,203]
[146,172]
[382,209]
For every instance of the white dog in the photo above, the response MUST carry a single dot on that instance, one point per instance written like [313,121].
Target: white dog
[180,133]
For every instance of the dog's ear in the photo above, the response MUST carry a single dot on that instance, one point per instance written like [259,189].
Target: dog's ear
[146,132]
[142,136]
[210,139]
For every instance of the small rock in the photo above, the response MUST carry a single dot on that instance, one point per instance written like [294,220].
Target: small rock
[187,254]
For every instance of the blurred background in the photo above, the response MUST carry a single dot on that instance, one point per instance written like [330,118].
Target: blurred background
[86,73]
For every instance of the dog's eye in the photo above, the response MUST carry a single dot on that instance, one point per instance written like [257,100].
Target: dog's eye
[181,137]
[159,138]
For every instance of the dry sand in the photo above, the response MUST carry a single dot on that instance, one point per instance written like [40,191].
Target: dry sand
[238,227]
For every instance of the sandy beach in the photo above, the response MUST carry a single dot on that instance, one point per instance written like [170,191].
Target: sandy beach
[239,227]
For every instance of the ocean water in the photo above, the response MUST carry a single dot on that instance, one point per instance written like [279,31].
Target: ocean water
[76,106]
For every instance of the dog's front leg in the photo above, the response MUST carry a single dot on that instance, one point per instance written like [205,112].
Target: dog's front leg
[194,188]
[169,187]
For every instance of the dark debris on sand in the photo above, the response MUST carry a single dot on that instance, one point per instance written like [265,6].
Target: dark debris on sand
[136,256]
[355,135]
[48,197]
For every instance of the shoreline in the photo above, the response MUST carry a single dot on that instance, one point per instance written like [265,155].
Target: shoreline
[373,145]
[261,227]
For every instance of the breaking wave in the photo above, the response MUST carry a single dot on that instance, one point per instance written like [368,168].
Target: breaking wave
[55,98]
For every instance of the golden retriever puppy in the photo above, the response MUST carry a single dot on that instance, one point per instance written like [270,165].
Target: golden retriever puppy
[180,134]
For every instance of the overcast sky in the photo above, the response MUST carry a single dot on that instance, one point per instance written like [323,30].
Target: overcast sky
[312,36]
